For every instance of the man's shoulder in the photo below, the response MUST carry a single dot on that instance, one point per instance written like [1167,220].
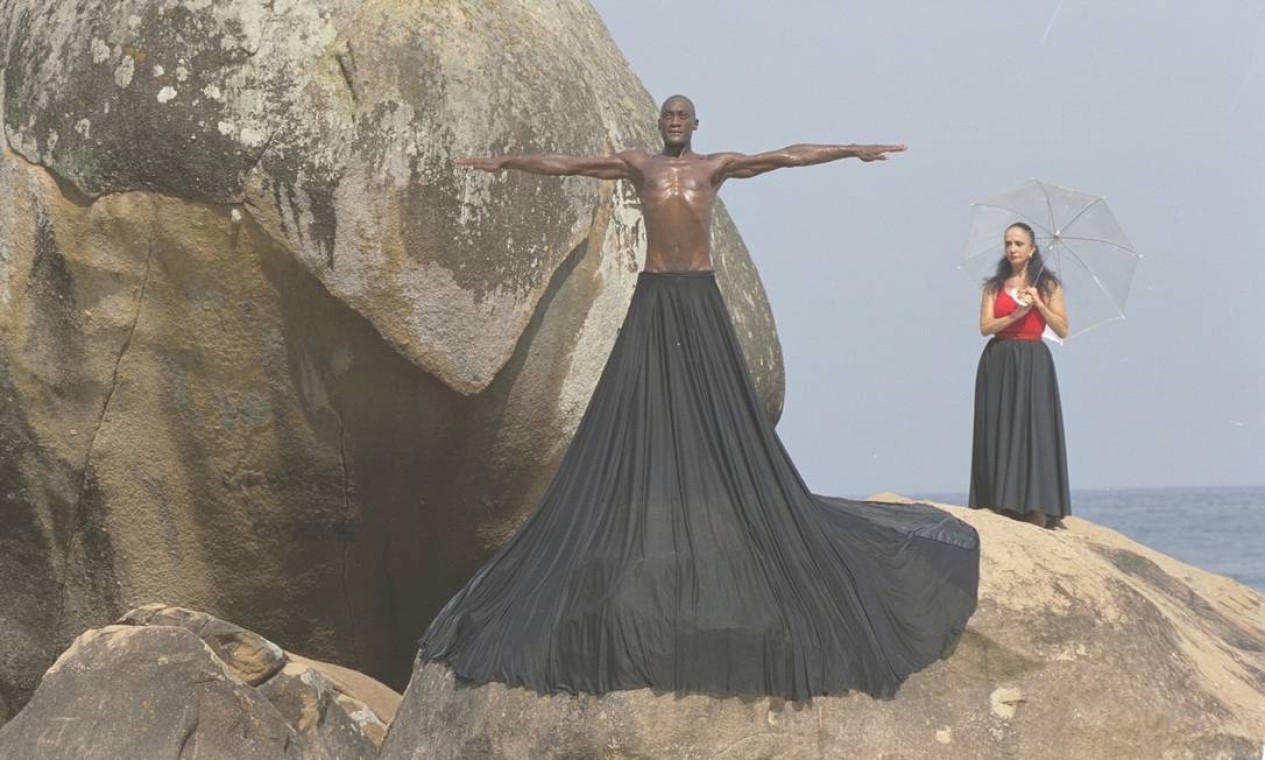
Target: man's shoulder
[721,161]
[710,160]
[697,157]
[634,154]
[708,163]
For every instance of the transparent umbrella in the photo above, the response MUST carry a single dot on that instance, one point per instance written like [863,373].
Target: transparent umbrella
[1079,239]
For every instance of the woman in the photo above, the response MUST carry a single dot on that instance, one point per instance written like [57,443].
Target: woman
[1018,460]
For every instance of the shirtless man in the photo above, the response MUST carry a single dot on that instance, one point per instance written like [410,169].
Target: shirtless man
[677,186]
[675,490]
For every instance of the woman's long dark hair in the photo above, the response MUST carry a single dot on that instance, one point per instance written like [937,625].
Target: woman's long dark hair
[1046,280]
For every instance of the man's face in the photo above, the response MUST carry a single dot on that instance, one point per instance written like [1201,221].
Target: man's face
[677,122]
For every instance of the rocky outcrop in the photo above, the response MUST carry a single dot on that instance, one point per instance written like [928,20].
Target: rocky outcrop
[1085,645]
[250,658]
[170,684]
[335,123]
[263,351]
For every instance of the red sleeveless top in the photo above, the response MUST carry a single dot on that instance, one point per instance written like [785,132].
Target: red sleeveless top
[1028,328]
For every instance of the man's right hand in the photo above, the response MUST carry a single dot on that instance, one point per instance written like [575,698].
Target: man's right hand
[482,164]
[869,153]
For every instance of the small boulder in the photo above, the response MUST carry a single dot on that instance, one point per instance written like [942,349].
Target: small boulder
[336,724]
[251,658]
[127,691]
[174,682]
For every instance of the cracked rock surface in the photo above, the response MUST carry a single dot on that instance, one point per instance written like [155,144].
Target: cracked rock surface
[263,351]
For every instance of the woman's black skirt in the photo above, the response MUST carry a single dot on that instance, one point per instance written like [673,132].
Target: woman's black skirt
[1018,458]
[678,549]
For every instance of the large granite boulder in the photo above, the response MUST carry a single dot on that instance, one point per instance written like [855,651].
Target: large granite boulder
[335,123]
[172,682]
[1085,645]
[263,350]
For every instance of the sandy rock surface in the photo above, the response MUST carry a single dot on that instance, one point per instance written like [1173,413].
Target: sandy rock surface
[1085,645]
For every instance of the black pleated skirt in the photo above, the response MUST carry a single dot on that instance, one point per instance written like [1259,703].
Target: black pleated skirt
[1018,455]
[678,549]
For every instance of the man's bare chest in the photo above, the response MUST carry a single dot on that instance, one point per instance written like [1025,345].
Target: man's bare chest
[671,183]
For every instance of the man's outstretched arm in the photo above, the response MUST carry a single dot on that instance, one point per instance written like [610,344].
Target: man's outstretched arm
[740,166]
[602,167]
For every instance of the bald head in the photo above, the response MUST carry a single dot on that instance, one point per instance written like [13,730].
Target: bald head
[678,101]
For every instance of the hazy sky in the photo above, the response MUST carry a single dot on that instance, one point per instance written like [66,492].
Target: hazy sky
[1156,105]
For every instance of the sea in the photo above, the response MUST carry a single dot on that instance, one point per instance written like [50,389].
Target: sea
[1220,529]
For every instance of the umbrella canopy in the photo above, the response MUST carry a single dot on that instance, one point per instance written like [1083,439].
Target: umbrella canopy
[1079,239]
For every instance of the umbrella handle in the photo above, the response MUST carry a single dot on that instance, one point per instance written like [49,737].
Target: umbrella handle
[1036,279]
